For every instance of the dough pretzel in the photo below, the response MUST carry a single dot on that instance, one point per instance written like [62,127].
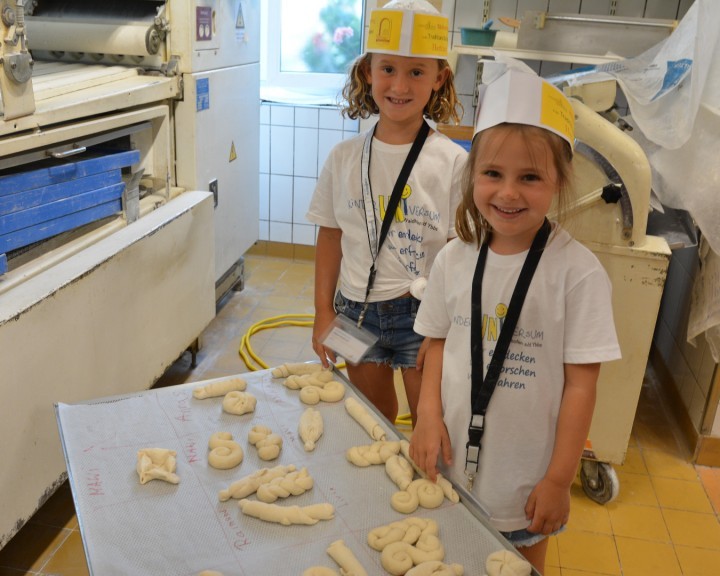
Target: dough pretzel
[287,515]
[507,563]
[268,444]
[239,403]
[310,428]
[400,471]
[421,492]
[333,391]
[298,381]
[409,530]
[365,419]
[249,484]
[285,370]
[292,484]
[348,562]
[157,464]
[219,388]
[441,481]
[376,453]
[436,568]
[224,452]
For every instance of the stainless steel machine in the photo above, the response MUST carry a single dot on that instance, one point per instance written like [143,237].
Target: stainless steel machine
[128,195]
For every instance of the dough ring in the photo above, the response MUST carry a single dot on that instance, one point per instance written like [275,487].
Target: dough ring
[268,444]
[157,464]
[219,388]
[420,492]
[400,471]
[376,453]
[365,419]
[507,563]
[298,381]
[285,370]
[436,568]
[292,484]
[249,484]
[310,428]
[348,562]
[332,392]
[239,403]
[287,515]
[224,453]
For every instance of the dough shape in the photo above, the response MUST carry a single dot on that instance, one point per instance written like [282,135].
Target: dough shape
[157,464]
[421,492]
[365,419]
[224,453]
[292,484]
[268,444]
[287,515]
[298,381]
[507,563]
[399,557]
[375,453]
[210,573]
[310,428]
[320,571]
[249,484]
[237,402]
[285,370]
[441,481]
[409,530]
[400,471]
[219,388]
[436,568]
[332,392]
[349,564]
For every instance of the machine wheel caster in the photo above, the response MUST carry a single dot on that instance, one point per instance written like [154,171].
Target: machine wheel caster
[599,481]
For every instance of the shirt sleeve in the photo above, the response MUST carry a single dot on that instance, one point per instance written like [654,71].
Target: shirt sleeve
[432,318]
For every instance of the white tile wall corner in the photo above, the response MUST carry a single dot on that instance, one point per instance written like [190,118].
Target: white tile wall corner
[281,191]
[264,230]
[305,155]
[264,212]
[281,150]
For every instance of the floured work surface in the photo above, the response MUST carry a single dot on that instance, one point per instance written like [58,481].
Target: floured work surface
[160,528]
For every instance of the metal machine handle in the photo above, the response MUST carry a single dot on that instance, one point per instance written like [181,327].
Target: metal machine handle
[671,25]
[66,153]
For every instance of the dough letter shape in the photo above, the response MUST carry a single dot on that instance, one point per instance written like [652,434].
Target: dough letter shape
[349,564]
[441,481]
[287,515]
[292,484]
[319,379]
[268,444]
[157,464]
[376,453]
[436,568]
[365,419]
[224,453]
[285,370]
[507,563]
[420,492]
[332,392]
[399,557]
[237,402]
[249,484]
[219,388]
[310,428]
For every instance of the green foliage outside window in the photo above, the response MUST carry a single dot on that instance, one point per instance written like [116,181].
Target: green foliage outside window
[332,50]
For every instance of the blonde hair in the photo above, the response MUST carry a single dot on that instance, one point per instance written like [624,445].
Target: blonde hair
[469,223]
[441,108]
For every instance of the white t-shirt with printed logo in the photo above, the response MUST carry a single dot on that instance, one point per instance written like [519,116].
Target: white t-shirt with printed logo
[424,219]
[566,318]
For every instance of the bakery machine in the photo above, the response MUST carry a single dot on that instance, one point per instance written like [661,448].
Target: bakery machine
[128,195]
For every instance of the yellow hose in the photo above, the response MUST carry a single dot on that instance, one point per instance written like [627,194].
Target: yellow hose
[304,320]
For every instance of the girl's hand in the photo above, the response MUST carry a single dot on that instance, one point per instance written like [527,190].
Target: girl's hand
[430,438]
[548,506]
[320,327]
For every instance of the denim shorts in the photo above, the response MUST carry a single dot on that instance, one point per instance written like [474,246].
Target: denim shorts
[392,323]
[522,538]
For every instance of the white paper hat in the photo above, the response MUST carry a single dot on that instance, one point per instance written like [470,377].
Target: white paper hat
[408,28]
[519,96]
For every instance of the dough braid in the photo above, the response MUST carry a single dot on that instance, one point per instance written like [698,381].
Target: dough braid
[292,484]
[400,471]
[287,515]
[224,452]
[436,568]
[365,419]
[310,428]
[298,381]
[409,530]
[219,388]
[348,562]
[285,370]
[507,563]
[249,484]
[376,453]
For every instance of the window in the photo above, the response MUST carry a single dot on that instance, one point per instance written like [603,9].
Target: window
[309,45]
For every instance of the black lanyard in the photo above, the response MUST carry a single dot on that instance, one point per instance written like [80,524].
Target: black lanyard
[482,389]
[392,204]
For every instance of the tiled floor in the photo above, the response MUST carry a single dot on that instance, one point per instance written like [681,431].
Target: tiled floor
[665,522]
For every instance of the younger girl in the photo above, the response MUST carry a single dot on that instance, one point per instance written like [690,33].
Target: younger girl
[520,456]
[403,77]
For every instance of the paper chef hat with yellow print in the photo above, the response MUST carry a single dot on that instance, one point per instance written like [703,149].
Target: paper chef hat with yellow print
[515,94]
[408,28]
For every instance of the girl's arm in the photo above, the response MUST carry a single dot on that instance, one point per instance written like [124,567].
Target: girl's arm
[430,436]
[328,253]
[548,505]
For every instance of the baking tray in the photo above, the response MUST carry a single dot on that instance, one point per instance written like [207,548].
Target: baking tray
[160,528]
